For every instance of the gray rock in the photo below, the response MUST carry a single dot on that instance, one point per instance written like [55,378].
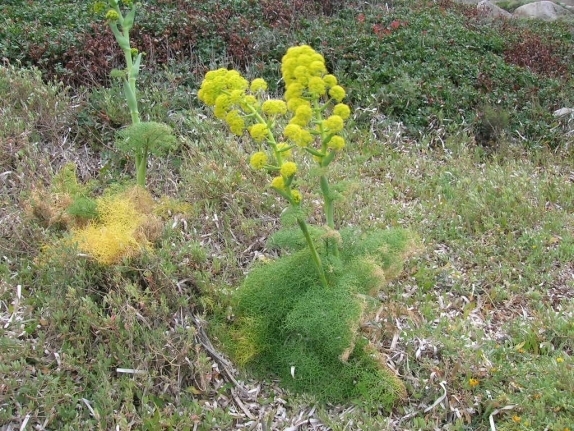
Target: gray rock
[562,112]
[545,10]
[476,2]
[489,9]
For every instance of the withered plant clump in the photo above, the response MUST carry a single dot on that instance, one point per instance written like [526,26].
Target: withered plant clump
[541,56]
[121,225]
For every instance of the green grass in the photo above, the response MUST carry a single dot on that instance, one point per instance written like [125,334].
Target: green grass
[484,311]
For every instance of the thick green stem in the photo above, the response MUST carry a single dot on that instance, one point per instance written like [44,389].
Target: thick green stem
[327,202]
[314,254]
[131,97]
[123,39]
[331,243]
[130,83]
[132,72]
[141,169]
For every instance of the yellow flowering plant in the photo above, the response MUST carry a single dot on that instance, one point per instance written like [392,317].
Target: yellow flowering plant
[311,117]
[284,322]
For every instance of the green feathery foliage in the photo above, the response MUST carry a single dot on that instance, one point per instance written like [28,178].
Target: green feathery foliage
[84,208]
[289,325]
[145,138]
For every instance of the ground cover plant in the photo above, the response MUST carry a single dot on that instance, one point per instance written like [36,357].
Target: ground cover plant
[396,65]
[477,326]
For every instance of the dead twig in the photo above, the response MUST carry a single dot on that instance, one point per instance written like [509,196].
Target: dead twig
[203,339]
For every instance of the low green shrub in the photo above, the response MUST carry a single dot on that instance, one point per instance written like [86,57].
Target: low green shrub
[435,63]
[289,325]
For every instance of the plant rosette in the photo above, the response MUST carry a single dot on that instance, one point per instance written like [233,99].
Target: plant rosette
[287,325]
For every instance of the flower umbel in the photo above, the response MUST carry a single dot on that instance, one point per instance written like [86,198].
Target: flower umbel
[337,92]
[258,84]
[278,183]
[336,143]
[334,124]
[342,111]
[258,160]
[274,107]
[259,132]
[288,169]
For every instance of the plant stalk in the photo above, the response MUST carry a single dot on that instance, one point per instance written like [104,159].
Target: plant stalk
[331,243]
[141,170]
[314,254]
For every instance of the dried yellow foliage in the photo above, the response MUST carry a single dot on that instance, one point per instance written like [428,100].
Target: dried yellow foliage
[122,229]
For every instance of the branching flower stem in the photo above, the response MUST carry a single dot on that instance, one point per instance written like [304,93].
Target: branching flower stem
[300,221]
[331,245]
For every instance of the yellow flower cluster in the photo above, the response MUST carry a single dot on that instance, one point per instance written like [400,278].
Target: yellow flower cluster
[228,92]
[313,98]
[225,90]
[298,135]
[259,132]
[274,107]
[306,83]
[221,82]
[235,121]
[112,15]
[258,160]
[336,143]
[342,111]
[278,183]
[288,169]
[305,76]
[258,84]
[334,124]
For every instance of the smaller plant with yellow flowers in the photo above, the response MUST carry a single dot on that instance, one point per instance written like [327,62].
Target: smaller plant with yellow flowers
[140,139]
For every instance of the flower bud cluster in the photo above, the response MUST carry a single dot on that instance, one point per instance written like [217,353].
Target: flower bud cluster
[235,100]
[312,98]
[112,15]
[310,92]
